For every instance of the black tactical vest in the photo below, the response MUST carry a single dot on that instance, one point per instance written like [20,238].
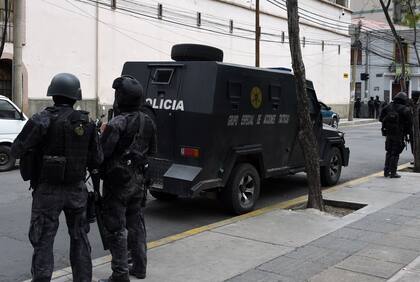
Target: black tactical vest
[68,136]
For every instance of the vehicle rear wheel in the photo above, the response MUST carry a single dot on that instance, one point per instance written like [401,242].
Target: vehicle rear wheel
[334,122]
[162,196]
[330,174]
[7,161]
[243,189]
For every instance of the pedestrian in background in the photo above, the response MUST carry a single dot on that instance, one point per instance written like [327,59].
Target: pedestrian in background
[396,121]
[128,139]
[66,143]
[371,107]
[357,106]
[377,104]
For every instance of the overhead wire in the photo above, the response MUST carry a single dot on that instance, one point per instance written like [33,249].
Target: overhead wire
[201,28]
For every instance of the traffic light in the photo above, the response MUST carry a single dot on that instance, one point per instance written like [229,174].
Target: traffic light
[364,76]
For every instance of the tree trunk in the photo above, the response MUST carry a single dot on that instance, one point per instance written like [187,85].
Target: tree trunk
[306,135]
[398,40]
[6,19]
[416,136]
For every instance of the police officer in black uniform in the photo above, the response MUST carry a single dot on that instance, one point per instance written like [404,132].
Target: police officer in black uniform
[396,125]
[66,143]
[123,194]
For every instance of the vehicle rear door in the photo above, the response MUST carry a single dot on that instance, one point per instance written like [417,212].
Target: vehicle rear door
[163,94]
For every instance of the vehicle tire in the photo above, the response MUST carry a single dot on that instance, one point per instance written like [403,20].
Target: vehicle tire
[243,189]
[162,196]
[7,161]
[330,174]
[196,52]
[334,123]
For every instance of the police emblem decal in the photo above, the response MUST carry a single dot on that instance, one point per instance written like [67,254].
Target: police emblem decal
[79,130]
[256,97]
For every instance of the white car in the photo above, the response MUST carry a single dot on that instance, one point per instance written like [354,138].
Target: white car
[12,120]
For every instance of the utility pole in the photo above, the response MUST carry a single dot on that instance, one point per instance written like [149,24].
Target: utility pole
[18,41]
[355,49]
[367,63]
[257,33]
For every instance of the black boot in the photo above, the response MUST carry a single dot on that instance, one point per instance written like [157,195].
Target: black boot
[137,274]
[395,175]
[386,173]
[112,279]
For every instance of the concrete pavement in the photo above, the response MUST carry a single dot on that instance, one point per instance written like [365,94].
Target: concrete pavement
[378,242]
[356,121]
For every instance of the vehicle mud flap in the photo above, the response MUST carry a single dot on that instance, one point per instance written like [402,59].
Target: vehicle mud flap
[346,156]
[36,228]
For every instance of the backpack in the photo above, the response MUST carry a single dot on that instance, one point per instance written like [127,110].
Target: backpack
[121,169]
[391,122]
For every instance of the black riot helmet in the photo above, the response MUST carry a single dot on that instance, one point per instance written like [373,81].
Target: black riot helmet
[401,98]
[128,93]
[65,85]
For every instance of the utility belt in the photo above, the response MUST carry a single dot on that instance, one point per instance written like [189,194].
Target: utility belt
[53,169]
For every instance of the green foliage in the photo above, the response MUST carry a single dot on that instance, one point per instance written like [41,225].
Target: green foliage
[411,20]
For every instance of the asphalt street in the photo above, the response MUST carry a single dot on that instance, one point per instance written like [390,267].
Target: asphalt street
[163,219]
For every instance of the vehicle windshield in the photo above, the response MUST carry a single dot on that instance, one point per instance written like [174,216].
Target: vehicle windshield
[7,111]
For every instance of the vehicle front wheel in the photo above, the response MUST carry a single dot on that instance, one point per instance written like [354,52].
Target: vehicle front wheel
[163,196]
[330,174]
[243,189]
[7,161]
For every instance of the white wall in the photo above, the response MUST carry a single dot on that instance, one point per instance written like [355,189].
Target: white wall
[58,40]
[60,37]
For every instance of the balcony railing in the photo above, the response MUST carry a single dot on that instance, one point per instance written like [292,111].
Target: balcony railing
[344,3]
[9,31]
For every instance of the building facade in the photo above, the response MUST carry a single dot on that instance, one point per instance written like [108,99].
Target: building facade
[379,57]
[93,39]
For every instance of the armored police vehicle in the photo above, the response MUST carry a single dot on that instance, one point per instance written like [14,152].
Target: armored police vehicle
[223,127]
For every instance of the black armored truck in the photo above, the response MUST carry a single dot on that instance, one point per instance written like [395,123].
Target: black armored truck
[223,128]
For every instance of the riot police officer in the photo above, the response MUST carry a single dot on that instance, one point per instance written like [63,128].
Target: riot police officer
[65,142]
[127,140]
[396,125]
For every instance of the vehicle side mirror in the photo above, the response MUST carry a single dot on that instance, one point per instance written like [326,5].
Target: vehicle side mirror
[328,108]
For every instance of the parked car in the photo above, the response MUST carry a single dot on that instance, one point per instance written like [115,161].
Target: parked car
[329,116]
[222,128]
[12,119]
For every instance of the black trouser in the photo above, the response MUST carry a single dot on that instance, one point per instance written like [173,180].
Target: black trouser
[48,202]
[377,112]
[371,112]
[120,216]
[357,112]
[394,145]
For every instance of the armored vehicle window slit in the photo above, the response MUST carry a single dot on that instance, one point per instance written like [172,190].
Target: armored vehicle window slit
[162,76]
[275,94]
[234,93]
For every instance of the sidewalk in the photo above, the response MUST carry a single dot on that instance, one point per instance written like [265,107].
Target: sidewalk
[378,242]
[356,121]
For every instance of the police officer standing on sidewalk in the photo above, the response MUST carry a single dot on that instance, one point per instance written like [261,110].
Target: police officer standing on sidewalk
[127,140]
[396,125]
[66,143]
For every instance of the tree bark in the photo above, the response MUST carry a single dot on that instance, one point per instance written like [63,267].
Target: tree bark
[410,7]
[306,135]
[6,19]
[398,40]
[416,109]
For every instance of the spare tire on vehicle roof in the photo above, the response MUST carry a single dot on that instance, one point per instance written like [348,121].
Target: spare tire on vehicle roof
[196,52]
